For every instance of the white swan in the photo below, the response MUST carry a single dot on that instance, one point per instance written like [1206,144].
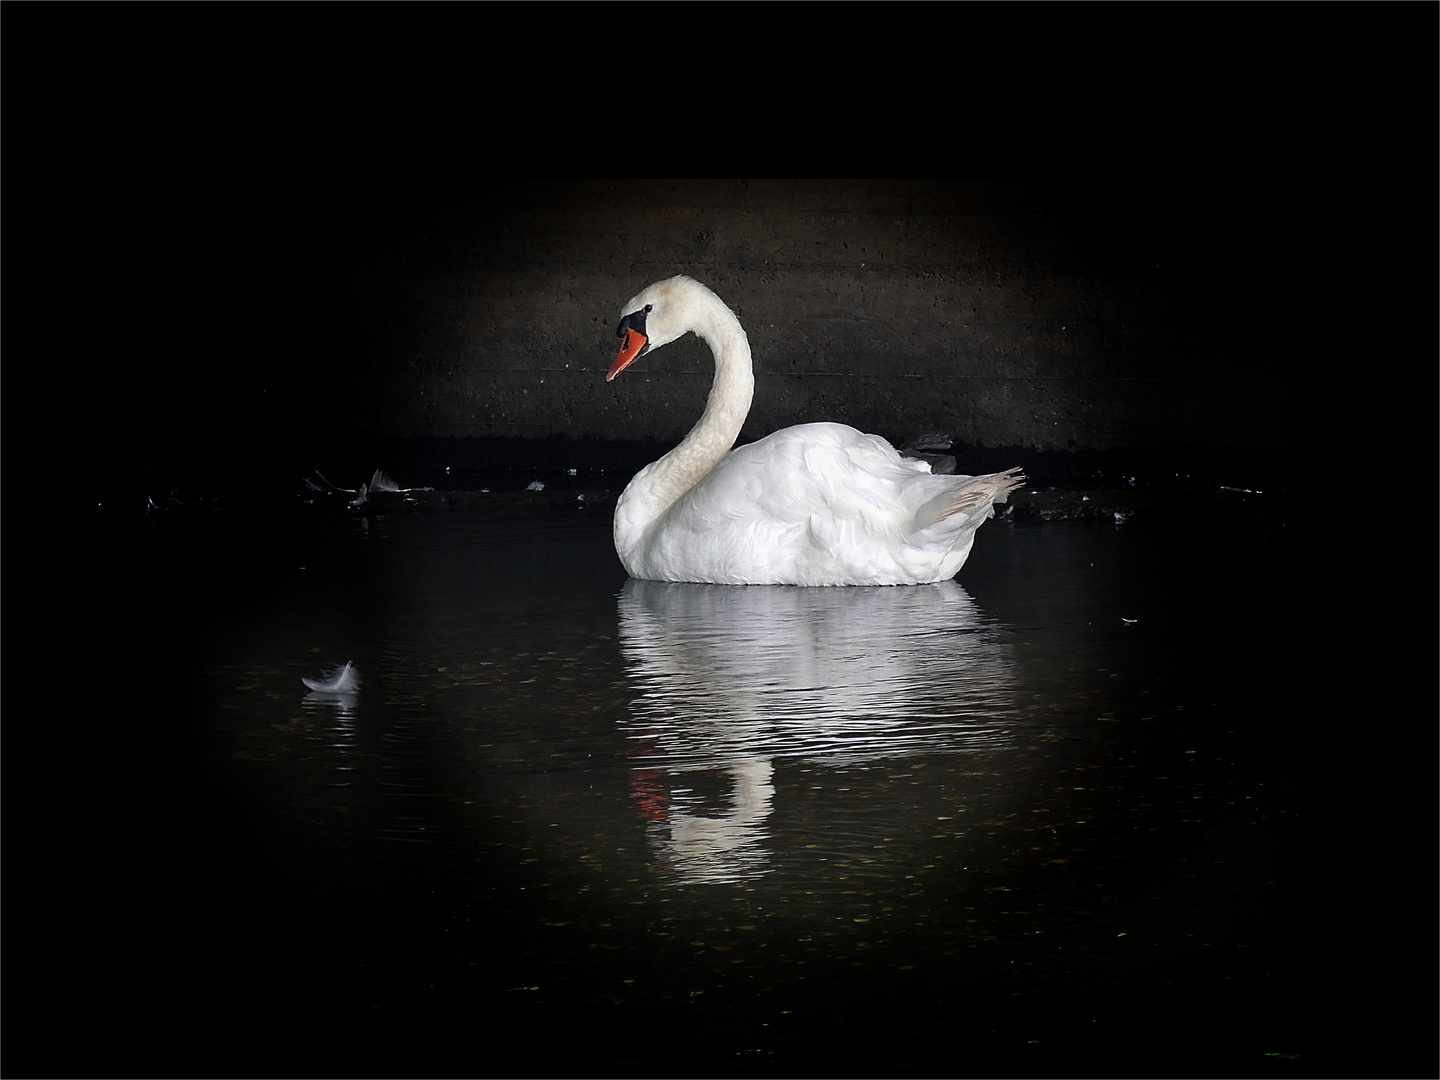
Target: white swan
[817,504]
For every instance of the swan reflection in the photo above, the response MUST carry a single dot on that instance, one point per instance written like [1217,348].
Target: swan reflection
[727,679]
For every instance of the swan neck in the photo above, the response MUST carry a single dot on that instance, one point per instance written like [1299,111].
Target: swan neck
[731,392]
[719,425]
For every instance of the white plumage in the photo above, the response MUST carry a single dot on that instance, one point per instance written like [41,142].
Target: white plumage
[817,504]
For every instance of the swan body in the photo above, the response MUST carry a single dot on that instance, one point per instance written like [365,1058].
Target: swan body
[816,504]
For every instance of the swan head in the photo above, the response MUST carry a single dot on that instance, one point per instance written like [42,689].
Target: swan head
[663,312]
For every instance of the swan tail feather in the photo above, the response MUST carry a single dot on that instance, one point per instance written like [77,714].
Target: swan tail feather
[976,492]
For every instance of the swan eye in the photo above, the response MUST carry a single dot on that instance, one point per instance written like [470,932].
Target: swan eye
[649,308]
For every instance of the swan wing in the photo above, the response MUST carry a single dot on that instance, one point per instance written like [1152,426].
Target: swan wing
[818,504]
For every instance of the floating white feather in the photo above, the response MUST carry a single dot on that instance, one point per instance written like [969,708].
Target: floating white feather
[342,680]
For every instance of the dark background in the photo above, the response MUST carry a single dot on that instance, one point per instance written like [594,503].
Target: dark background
[241,243]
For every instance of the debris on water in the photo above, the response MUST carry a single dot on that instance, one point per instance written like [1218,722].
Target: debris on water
[932,448]
[535,485]
[381,482]
[325,485]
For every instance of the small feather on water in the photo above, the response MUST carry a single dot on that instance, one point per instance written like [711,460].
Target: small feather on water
[343,680]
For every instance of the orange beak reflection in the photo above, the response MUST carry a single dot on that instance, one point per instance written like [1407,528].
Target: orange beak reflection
[631,346]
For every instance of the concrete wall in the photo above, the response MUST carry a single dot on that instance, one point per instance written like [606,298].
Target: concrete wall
[1053,318]
[1047,316]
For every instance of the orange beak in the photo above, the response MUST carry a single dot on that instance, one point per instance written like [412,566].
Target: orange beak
[631,346]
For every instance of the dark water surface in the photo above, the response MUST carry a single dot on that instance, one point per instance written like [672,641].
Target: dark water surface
[1049,819]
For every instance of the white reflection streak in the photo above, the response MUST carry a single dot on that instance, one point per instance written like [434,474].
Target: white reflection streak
[340,739]
[338,690]
[729,678]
